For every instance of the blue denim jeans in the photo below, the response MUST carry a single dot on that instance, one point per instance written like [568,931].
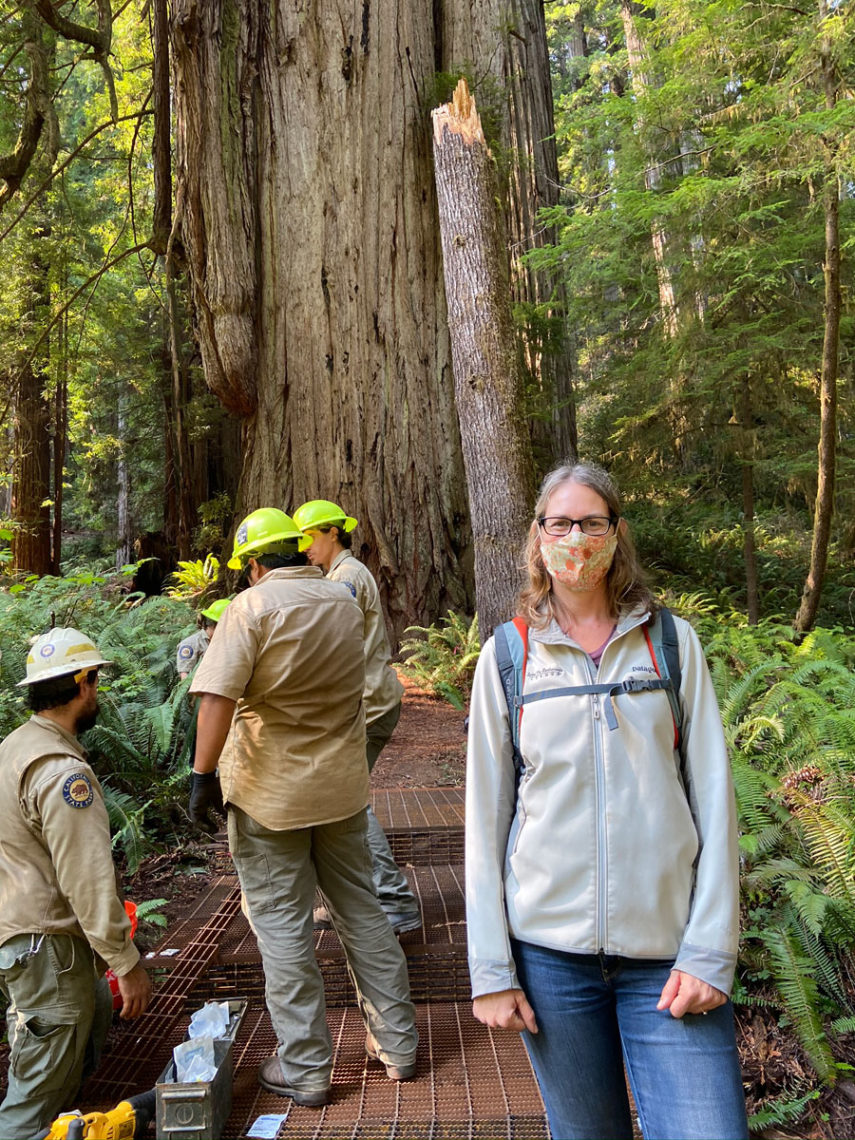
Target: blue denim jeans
[597,1014]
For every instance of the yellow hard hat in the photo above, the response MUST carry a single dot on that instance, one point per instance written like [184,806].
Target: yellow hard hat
[60,652]
[216,609]
[261,532]
[321,512]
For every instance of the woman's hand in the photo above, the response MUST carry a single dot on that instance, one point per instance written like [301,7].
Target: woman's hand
[505,1009]
[683,993]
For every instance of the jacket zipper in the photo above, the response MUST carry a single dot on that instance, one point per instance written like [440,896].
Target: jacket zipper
[601,919]
[599,787]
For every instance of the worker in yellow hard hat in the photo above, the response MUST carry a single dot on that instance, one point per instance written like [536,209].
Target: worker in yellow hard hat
[61,918]
[281,713]
[329,528]
[192,649]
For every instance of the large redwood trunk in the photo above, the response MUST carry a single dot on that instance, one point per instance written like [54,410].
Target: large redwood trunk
[305,181]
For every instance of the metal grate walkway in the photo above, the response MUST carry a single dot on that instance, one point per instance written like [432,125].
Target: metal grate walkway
[471,1083]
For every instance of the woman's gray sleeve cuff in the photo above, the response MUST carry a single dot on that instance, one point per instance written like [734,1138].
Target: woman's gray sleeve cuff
[489,977]
[715,967]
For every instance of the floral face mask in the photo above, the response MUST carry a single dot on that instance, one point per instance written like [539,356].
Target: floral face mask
[580,561]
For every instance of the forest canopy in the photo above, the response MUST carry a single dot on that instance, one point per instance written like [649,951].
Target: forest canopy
[184,335]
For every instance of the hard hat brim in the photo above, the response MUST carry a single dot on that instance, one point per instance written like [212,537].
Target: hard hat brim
[65,670]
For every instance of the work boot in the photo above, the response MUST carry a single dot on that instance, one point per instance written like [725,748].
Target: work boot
[271,1077]
[403,1072]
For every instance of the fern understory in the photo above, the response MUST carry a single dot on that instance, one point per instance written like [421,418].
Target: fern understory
[140,745]
[789,715]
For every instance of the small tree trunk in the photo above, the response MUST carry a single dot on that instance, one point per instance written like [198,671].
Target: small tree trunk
[161,147]
[485,355]
[31,482]
[124,536]
[746,416]
[31,476]
[59,444]
[812,592]
[642,81]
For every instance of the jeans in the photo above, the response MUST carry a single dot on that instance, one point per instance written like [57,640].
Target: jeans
[58,1017]
[597,1014]
[278,872]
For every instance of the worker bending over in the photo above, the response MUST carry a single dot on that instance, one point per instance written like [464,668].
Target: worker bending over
[192,649]
[329,528]
[62,922]
[281,710]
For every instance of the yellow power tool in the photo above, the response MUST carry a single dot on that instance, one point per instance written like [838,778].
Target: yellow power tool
[127,1121]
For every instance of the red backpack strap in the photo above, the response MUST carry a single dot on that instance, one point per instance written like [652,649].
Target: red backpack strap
[522,630]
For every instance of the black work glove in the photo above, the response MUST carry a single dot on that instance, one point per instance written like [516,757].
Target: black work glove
[205,793]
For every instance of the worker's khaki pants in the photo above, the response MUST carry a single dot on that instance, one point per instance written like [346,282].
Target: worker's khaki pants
[278,873]
[57,1019]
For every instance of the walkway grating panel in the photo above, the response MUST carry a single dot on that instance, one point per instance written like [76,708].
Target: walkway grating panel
[436,954]
[469,1083]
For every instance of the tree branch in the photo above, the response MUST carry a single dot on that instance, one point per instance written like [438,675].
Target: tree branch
[64,308]
[100,39]
[55,173]
[14,166]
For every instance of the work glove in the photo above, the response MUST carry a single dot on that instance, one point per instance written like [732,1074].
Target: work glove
[205,794]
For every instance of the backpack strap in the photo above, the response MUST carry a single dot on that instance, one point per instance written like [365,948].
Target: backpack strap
[661,637]
[612,689]
[511,640]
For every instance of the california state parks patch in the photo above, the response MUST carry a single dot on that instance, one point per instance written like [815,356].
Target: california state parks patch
[77,790]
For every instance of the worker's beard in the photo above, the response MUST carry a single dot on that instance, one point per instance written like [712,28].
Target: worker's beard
[86,720]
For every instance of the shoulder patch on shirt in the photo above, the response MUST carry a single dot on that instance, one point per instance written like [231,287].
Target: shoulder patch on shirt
[185,652]
[77,791]
[349,584]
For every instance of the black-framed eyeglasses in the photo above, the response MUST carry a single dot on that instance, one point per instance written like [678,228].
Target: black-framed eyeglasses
[557,526]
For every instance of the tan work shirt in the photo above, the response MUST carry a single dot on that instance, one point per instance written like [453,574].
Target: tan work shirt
[383,690]
[191,651]
[289,651]
[56,864]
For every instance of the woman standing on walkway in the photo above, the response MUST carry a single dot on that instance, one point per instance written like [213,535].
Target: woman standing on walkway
[602,893]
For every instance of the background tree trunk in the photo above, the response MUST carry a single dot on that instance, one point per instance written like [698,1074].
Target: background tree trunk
[745,416]
[31,481]
[305,181]
[824,510]
[487,373]
[31,476]
[503,42]
[124,522]
[642,81]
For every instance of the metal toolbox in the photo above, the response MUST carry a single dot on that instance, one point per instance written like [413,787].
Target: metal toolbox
[200,1109]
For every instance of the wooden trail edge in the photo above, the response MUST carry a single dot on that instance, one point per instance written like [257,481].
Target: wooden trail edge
[486,355]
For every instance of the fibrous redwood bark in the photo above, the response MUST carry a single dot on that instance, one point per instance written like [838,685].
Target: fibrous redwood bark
[309,220]
[488,378]
[503,42]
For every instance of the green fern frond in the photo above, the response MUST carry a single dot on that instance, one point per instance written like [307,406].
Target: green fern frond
[793,977]
[784,1109]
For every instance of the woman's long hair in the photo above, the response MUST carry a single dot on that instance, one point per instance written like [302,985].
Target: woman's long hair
[626,584]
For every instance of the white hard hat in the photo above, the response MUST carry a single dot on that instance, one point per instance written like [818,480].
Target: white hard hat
[59,652]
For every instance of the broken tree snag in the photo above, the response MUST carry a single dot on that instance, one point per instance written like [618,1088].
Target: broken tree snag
[486,356]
